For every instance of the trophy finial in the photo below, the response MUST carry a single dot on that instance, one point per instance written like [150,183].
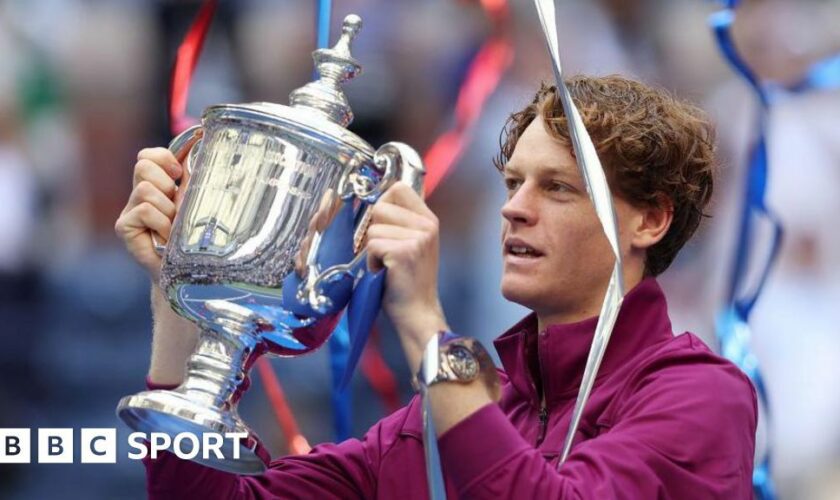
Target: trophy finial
[349,29]
[335,66]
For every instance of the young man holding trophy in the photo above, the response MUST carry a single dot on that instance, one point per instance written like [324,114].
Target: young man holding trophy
[666,419]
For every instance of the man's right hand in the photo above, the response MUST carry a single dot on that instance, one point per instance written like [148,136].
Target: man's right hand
[151,206]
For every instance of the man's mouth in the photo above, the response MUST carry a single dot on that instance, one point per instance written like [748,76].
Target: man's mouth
[517,247]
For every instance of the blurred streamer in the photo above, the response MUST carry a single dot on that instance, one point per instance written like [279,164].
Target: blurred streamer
[822,75]
[482,78]
[324,18]
[732,326]
[185,63]
[296,442]
[733,330]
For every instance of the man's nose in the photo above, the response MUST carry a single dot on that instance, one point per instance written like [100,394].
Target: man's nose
[521,207]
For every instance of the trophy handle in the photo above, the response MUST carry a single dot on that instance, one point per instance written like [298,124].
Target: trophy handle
[182,146]
[396,161]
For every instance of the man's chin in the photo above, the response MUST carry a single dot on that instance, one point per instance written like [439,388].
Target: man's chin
[519,293]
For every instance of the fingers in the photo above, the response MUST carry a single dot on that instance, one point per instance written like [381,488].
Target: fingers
[401,194]
[388,245]
[403,229]
[149,171]
[388,231]
[384,212]
[142,218]
[153,202]
[164,158]
[387,252]
[146,192]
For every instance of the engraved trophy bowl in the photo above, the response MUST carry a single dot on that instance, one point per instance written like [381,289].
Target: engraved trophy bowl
[266,249]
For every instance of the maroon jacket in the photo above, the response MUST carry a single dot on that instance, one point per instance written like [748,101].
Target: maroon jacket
[667,419]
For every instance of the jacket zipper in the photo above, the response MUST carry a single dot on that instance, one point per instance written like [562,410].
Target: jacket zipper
[543,410]
[543,425]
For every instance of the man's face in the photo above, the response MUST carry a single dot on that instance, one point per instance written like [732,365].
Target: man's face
[557,260]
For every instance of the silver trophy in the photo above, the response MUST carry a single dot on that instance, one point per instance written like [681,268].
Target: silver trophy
[267,248]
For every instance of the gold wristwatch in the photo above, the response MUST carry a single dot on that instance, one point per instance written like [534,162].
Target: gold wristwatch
[450,358]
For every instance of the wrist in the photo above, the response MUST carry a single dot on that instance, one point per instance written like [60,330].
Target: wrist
[173,340]
[159,301]
[415,331]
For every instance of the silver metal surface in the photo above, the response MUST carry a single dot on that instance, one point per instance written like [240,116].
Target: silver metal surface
[181,146]
[263,253]
[429,367]
[599,192]
[335,66]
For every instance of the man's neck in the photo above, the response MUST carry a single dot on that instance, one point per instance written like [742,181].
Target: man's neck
[546,320]
[574,315]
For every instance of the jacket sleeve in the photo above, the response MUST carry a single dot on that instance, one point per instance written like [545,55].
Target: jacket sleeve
[343,470]
[682,433]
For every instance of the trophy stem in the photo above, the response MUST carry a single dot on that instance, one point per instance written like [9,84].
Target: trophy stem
[218,367]
[206,400]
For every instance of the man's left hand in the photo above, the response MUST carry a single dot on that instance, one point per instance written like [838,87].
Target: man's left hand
[403,237]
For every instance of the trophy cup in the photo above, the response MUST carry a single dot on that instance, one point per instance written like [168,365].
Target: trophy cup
[267,248]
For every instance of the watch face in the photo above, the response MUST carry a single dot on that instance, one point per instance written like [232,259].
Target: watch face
[463,363]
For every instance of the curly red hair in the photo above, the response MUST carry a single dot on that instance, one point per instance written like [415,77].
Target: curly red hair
[655,149]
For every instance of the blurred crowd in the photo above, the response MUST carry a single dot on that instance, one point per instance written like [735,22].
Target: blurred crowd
[83,86]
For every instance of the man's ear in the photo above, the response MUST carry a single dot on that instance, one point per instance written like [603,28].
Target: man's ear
[653,222]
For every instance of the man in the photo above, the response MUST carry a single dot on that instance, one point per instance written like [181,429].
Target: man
[666,419]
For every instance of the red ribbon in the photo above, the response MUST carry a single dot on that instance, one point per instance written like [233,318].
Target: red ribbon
[483,76]
[296,442]
[185,62]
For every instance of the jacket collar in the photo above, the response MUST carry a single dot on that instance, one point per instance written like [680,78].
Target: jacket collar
[563,349]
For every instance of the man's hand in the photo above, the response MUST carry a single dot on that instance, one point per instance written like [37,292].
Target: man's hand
[403,237]
[151,207]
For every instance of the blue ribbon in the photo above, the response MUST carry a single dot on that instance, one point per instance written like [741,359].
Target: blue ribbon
[733,330]
[361,314]
[323,19]
[824,74]
[339,342]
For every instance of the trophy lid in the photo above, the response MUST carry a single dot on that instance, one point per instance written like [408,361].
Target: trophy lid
[335,66]
[319,109]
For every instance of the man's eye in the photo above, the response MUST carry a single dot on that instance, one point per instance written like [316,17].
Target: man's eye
[512,183]
[558,187]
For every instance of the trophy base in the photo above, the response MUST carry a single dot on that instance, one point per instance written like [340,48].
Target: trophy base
[172,412]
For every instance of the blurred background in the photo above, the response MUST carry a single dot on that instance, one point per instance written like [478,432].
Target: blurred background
[83,86]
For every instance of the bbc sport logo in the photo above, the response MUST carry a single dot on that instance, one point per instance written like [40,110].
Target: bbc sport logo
[99,445]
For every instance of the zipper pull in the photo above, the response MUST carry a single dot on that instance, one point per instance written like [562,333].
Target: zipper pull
[543,425]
